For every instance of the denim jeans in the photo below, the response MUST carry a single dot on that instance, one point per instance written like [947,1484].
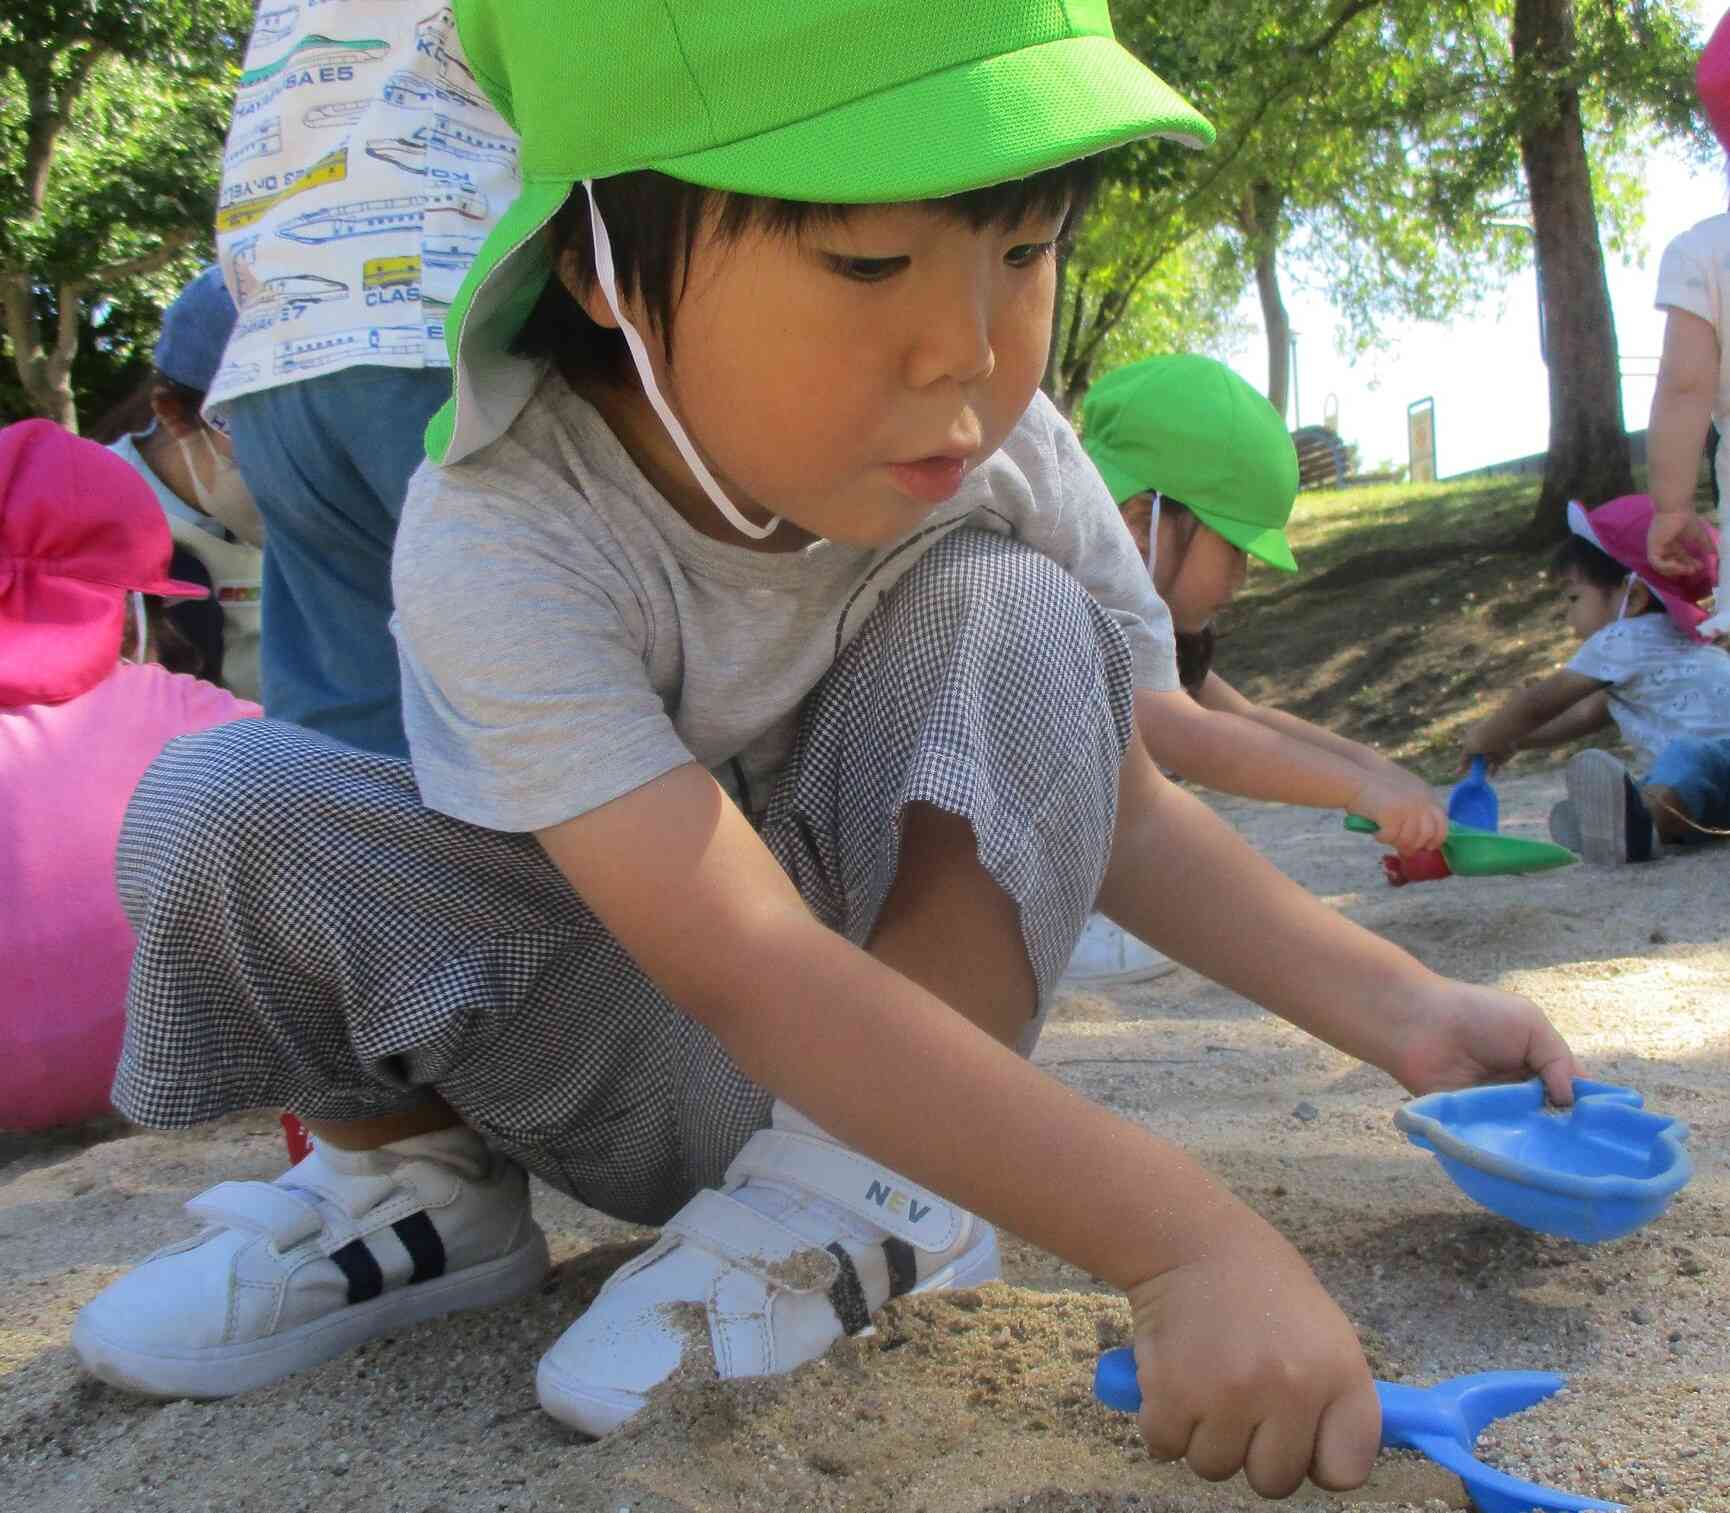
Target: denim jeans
[329,459]
[1699,772]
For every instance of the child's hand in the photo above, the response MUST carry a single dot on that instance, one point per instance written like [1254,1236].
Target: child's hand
[1245,1363]
[1459,1034]
[1477,744]
[1409,816]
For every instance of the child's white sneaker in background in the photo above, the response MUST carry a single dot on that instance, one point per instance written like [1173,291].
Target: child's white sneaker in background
[1108,953]
[340,1248]
[804,1242]
[1614,826]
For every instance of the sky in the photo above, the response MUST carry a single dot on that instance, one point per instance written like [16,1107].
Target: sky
[1483,368]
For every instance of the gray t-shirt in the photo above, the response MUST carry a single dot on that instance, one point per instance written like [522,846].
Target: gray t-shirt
[566,636]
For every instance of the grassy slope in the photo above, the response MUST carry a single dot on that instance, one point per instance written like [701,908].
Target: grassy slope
[1412,617]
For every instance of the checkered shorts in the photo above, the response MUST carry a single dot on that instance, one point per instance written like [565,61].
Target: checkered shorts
[312,937]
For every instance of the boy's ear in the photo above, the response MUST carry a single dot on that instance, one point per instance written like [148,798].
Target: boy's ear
[1137,513]
[586,292]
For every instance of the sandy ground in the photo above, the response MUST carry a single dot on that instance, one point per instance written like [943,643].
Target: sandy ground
[980,1402]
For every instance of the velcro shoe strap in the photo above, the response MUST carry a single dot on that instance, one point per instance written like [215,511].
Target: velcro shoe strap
[754,1242]
[259,1207]
[848,1180]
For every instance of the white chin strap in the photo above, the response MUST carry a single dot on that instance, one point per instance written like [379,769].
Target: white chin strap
[645,371]
[141,629]
[1153,531]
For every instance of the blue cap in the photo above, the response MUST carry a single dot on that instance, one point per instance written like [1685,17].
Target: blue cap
[195,331]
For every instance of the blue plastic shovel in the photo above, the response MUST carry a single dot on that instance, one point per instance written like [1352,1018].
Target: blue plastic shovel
[1473,801]
[1441,1422]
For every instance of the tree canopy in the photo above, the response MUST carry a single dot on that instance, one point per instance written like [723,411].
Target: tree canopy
[112,120]
[1369,147]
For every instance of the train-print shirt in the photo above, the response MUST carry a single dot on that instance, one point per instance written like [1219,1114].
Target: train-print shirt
[362,170]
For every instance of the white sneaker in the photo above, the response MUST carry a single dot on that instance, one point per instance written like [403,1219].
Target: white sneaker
[803,1244]
[1108,953]
[287,1274]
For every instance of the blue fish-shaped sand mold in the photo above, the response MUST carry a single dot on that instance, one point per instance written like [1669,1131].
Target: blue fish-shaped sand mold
[1594,1172]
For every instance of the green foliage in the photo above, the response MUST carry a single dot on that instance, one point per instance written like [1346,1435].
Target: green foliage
[112,118]
[1371,142]
[1118,303]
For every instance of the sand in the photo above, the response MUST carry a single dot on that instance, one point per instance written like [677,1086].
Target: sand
[980,1401]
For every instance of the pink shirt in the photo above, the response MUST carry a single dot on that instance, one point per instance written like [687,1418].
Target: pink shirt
[67,772]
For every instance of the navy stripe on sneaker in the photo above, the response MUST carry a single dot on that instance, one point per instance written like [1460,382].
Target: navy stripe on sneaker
[903,1266]
[423,1245]
[365,1280]
[846,1295]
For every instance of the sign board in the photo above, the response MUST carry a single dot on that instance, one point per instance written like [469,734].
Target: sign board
[1421,440]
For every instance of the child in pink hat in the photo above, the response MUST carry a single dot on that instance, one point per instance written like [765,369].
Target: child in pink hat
[1643,665]
[82,543]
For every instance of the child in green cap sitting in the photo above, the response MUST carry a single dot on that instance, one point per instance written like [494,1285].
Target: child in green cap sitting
[772,664]
[1205,473]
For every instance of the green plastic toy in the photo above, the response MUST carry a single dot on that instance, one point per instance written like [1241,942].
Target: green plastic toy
[1470,852]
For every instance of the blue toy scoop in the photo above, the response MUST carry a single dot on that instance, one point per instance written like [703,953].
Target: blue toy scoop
[1473,801]
[1441,1423]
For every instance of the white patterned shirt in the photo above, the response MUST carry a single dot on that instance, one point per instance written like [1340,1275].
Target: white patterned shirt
[1664,686]
[363,169]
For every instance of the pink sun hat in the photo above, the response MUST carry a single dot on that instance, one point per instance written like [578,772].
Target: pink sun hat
[1619,530]
[79,530]
[1712,80]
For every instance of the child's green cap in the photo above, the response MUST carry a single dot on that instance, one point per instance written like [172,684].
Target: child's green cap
[836,101]
[1191,429]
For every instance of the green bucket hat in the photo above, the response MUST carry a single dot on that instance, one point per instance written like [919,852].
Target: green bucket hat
[839,101]
[1190,428]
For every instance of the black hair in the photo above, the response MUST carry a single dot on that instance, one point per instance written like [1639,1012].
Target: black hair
[137,411]
[1579,557]
[1194,659]
[185,634]
[653,222]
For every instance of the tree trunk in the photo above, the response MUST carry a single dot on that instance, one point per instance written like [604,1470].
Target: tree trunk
[1258,218]
[1588,452]
[1278,326]
[44,371]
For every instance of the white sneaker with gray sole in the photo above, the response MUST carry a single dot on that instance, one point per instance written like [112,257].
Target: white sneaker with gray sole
[1613,823]
[1107,953]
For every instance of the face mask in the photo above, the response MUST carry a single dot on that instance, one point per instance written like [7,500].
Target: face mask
[226,498]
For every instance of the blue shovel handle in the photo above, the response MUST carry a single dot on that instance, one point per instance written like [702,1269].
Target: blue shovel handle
[1440,1422]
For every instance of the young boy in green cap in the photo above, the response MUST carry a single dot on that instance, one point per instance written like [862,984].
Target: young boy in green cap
[1206,475]
[771,662]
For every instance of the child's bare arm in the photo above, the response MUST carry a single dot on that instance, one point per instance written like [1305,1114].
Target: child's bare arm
[1681,413]
[1591,714]
[1174,865]
[1257,1367]
[1239,750]
[1533,707]
[1218,694]
[680,878]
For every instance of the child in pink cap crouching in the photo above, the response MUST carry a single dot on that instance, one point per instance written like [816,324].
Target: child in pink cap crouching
[1645,666]
[82,541]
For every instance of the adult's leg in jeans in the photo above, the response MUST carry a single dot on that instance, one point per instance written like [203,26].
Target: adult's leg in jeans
[329,459]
